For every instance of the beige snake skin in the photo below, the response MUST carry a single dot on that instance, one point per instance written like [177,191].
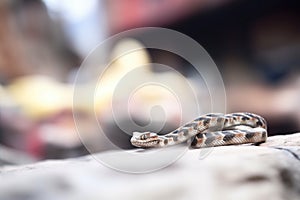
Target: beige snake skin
[214,129]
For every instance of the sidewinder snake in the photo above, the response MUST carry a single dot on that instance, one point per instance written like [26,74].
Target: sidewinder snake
[214,129]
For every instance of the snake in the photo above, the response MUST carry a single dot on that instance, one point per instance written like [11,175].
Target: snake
[209,130]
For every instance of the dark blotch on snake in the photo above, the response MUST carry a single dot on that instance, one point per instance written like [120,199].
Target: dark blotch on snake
[192,124]
[250,135]
[228,136]
[252,115]
[166,141]
[259,123]
[185,132]
[194,142]
[200,135]
[226,121]
[245,118]
[209,138]
[176,131]
[264,134]
[206,122]
[175,138]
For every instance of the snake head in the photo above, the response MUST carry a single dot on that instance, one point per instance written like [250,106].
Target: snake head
[145,139]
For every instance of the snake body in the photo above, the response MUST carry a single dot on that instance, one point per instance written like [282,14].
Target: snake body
[213,129]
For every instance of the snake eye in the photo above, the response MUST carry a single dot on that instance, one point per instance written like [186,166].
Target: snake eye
[143,137]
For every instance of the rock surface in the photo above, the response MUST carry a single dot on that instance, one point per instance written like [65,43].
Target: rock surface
[269,171]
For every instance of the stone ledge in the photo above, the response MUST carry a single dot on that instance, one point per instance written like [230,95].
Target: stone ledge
[269,171]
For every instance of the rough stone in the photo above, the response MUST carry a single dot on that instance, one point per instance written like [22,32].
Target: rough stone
[269,171]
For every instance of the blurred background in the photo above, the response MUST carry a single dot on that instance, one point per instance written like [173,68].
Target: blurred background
[256,46]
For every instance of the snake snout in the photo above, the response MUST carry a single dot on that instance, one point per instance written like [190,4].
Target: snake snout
[145,139]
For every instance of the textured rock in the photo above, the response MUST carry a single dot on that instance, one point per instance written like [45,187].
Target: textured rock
[270,171]
[283,140]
